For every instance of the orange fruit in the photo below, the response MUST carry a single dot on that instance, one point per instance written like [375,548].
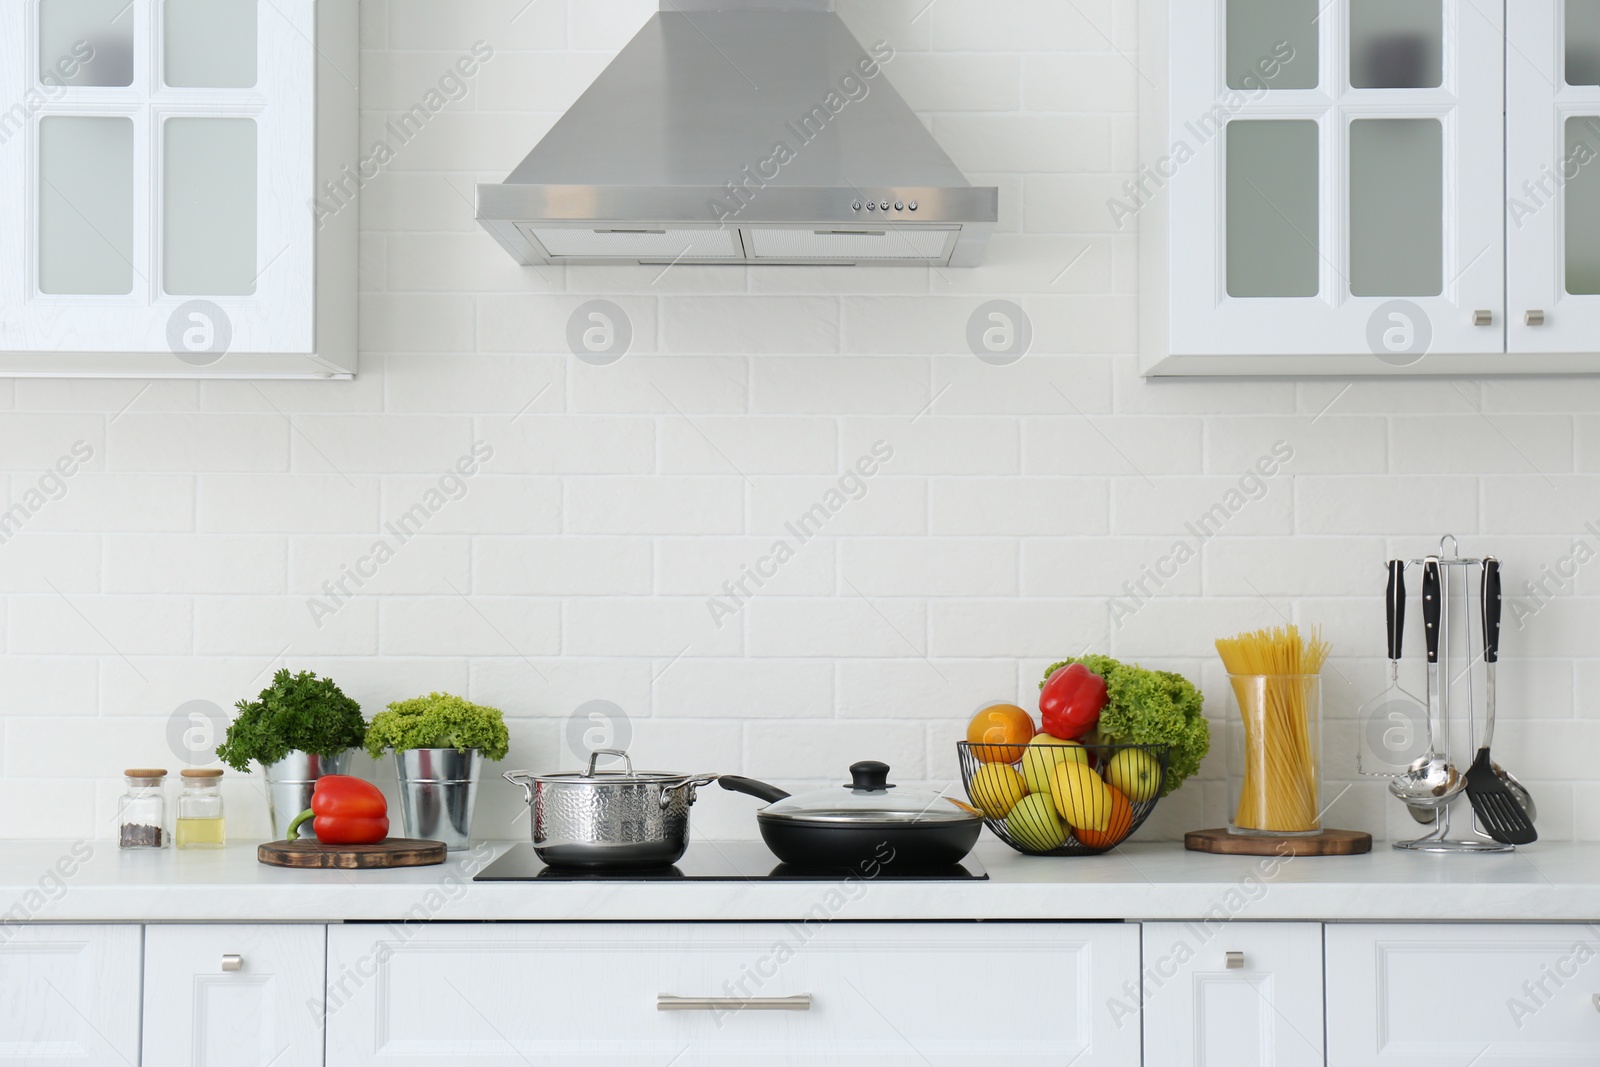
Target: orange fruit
[1120,825]
[1000,733]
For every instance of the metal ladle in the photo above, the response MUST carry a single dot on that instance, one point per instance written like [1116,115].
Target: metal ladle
[1432,780]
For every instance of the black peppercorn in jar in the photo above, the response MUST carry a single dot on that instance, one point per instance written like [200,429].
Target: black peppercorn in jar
[142,810]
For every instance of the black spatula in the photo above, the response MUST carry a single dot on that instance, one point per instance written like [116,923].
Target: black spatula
[1502,817]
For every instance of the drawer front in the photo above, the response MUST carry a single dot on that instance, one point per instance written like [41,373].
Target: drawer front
[1264,1011]
[69,995]
[880,994]
[233,996]
[1495,996]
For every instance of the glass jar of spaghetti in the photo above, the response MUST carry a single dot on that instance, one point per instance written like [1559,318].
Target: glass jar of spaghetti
[1274,754]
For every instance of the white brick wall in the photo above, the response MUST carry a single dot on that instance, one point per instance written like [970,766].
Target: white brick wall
[579,563]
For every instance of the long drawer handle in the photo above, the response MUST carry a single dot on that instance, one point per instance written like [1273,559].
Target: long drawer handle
[668,1002]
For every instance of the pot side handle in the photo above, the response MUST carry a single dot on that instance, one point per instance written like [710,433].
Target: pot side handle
[524,779]
[769,793]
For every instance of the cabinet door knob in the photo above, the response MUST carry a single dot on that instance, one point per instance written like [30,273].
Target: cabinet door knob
[1483,318]
[1534,318]
[1236,961]
[232,961]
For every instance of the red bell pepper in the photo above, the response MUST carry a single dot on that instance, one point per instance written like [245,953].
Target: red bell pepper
[1070,702]
[348,811]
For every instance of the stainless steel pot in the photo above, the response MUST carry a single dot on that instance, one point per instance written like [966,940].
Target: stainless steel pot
[610,819]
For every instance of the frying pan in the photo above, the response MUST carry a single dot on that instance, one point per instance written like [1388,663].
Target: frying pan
[863,823]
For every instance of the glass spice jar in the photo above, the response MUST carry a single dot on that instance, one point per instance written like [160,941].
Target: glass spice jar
[200,822]
[142,810]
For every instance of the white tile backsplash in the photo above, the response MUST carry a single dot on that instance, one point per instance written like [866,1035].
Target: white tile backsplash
[581,561]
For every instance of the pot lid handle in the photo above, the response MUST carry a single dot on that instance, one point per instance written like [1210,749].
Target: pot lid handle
[594,757]
[869,776]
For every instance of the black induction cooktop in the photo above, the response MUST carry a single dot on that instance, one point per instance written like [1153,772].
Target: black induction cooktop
[717,861]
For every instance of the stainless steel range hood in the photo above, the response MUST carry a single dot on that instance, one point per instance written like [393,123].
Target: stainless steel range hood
[742,132]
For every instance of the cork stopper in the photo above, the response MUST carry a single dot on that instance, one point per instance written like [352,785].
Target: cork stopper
[201,772]
[145,775]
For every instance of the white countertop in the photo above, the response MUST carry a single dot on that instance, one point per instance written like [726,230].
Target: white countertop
[47,882]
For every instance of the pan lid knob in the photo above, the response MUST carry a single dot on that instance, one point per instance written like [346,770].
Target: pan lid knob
[869,776]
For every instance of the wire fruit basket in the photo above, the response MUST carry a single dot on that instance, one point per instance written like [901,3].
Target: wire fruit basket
[1063,800]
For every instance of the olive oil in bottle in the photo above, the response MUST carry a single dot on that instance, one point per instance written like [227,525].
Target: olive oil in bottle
[200,822]
[201,833]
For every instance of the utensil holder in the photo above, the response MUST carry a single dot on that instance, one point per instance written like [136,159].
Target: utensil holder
[1274,755]
[1455,721]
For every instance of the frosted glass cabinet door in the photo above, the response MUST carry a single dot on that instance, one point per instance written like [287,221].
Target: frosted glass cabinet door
[166,152]
[1553,176]
[1342,186]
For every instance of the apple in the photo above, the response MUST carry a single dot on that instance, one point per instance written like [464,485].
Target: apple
[1135,773]
[1039,760]
[1034,825]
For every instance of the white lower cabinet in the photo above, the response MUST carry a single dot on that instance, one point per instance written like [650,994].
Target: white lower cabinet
[1233,994]
[801,994]
[233,996]
[1437,994]
[69,995]
[785,995]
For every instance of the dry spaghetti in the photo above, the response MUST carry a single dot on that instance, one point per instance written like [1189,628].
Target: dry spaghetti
[1274,677]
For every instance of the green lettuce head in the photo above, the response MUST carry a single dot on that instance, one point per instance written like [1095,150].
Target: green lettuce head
[1146,707]
[439,720]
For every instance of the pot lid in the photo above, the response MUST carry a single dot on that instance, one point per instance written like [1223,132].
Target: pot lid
[626,776]
[870,798]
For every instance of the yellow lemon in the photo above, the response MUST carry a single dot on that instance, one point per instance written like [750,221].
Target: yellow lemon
[996,788]
[1081,797]
[1042,755]
[1034,825]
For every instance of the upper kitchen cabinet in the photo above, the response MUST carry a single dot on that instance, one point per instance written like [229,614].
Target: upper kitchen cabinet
[1323,187]
[1553,176]
[186,174]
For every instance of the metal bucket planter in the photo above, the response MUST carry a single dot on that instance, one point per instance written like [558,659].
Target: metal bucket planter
[438,788]
[290,782]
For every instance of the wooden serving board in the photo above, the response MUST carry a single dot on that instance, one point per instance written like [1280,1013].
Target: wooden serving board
[390,852]
[1327,843]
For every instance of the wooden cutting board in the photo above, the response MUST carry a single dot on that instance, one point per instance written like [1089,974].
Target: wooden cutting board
[391,852]
[1327,843]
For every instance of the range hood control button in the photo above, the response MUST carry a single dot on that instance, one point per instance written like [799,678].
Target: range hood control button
[856,206]
[900,207]
[913,205]
[884,205]
[871,206]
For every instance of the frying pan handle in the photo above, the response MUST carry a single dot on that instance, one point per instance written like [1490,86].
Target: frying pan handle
[1396,604]
[770,793]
